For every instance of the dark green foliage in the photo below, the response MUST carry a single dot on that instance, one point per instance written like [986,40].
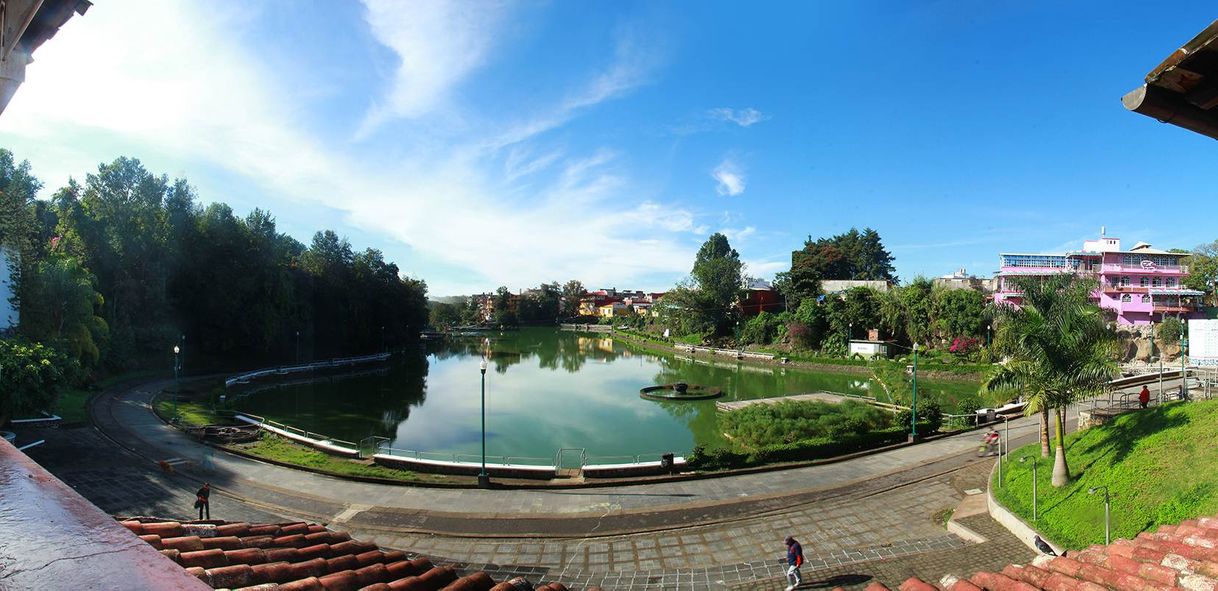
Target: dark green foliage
[135,253]
[703,458]
[852,255]
[31,376]
[930,418]
[762,329]
[787,422]
[1169,330]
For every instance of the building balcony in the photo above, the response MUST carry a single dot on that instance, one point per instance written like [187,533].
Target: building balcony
[1165,270]
[1173,309]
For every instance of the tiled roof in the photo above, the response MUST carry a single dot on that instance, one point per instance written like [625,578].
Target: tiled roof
[1181,556]
[301,557]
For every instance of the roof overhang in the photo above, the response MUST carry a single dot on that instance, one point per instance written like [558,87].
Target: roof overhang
[1183,90]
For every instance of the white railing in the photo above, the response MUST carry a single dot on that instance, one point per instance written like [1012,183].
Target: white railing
[307,367]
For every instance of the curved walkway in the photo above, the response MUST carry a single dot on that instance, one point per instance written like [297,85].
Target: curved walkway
[871,514]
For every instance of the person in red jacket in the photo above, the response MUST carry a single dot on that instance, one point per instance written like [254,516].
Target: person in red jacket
[1144,396]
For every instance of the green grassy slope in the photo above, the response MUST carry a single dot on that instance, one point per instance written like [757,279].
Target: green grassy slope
[1160,466]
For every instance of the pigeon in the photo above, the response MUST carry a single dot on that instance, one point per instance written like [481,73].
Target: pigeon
[1043,546]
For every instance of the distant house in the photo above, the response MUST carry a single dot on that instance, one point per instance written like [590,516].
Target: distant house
[612,309]
[961,279]
[760,296]
[10,314]
[837,286]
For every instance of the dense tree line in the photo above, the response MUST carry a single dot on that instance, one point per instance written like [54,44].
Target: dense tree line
[115,271]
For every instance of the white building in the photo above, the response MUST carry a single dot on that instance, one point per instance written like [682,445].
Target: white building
[9,315]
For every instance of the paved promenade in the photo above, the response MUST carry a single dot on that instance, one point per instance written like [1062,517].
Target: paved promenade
[872,517]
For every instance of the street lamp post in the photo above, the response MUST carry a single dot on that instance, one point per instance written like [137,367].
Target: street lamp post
[298,347]
[913,409]
[1183,375]
[1022,460]
[177,365]
[484,479]
[1107,522]
[989,328]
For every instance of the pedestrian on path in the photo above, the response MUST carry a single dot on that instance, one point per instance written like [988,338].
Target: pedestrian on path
[1144,396]
[989,443]
[795,559]
[203,500]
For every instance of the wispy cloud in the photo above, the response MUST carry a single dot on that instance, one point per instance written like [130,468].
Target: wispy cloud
[438,44]
[742,117]
[465,218]
[729,178]
[632,65]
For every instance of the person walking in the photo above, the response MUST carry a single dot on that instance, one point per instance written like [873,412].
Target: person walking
[203,500]
[795,559]
[1144,396]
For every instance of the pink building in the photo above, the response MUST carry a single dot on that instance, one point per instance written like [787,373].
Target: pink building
[1140,285]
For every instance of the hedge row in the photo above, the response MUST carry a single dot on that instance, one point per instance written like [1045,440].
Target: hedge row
[703,458]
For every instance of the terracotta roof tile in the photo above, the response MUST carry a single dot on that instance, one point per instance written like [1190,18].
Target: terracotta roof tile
[299,556]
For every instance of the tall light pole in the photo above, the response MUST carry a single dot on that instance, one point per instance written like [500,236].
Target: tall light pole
[1033,458]
[1160,352]
[913,409]
[1183,375]
[177,366]
[1107,522]
[298,347]
[989,328]
[484,479]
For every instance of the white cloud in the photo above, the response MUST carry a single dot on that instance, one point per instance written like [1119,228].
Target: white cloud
[742,117]
[766,269]
[438,42]
[738,234]
[203,103]
[730,178]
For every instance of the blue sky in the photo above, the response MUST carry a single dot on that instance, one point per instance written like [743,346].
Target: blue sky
[482,144]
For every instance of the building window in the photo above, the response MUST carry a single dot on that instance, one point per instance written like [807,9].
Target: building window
[1054,261]
[1171,281]
[1145,299]
[1124,281]
[1158,282]
[1126,298]
[1144,282]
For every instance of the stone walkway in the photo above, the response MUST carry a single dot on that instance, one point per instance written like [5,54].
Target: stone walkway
[872,517]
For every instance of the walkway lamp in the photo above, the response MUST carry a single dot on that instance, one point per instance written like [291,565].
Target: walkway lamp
[484,479]
[1022,460]
[989,328]
[298,347]
[1107,528]
[177,366]
[913,409]
[1183,375]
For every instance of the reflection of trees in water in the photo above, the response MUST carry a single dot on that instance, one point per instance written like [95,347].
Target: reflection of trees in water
[554,349]
[350,409]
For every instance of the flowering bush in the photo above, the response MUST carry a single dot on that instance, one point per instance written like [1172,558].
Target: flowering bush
[963,346]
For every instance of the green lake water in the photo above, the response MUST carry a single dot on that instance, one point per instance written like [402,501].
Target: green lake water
[545,390]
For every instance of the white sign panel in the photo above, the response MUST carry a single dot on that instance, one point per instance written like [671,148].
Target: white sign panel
[1203,342]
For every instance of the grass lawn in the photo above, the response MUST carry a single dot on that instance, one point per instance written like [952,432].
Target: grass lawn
[273,447]
[71,404]
[276,448]
[1160,466]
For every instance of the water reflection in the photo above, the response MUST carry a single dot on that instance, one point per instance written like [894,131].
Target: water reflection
[547,390]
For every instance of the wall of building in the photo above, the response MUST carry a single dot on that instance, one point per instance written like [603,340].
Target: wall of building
[9,314]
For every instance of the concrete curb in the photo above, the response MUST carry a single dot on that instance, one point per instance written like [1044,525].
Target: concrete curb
[1013,523]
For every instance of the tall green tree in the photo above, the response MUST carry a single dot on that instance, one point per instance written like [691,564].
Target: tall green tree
[1060,350]
[572,292]
[61,307]
[718,274]
[1203,270]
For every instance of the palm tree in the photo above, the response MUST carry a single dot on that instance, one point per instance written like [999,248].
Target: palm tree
[1060,350]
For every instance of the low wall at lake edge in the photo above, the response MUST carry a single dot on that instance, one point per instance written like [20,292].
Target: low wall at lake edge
[586,327]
